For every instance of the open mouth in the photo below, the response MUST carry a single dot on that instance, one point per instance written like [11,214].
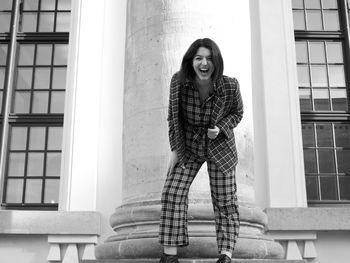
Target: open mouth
[204,70]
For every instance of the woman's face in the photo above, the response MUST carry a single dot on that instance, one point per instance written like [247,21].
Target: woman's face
[203,64]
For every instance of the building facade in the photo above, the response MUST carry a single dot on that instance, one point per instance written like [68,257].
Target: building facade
[84,90]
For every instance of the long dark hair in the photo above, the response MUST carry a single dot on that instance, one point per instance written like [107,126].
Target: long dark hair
[187,72]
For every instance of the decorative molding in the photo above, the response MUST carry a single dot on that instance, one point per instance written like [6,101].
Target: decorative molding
[58,242]
[54,253]
[292,250]
[292,238]
[309,249]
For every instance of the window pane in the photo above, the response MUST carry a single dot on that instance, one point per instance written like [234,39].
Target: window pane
[339,99]
[18,138]
[303,76]
[26,54]
[59,78]
[310,161]
[53,164]
[29,21]
[2,78]
[314,20]
[321,99]
[312,188]
[297,4]
[46,22]
[48,5]
[328,188]
[5,20]
[301,52]
[336,76]
[299,20]
[51,191]
[61,54]
[55,138]
[5,4]
[22,101]
[1,100]
[35,164]
[40,102]
[33,191]
[3,55]
[37,138]
[64,5]
[43,56]
[344,185]
[329,4]
[63,22]
[317,52]
[334,52]
[14,191]
[42,78]
[31,5]
[24,78]
[326,161]
[331,20]
[312,4]
[16,164]
[324,135]
[305,99]
[319,76]
[342,135]
[308,134]
[343,161]
[57,102]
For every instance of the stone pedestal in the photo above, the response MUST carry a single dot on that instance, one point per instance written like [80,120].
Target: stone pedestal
[158,34]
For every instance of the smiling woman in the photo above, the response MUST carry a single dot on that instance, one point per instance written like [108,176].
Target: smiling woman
[201,130]
[202,64]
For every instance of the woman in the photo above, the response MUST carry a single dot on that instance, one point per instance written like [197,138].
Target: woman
[204,108]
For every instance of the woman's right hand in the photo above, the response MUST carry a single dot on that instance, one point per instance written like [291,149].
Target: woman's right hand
[173,161]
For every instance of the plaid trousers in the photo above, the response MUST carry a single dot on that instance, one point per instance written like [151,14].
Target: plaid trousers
[173,219]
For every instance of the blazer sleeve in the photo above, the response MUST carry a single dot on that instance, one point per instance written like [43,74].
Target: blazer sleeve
[231,120]
[171,125]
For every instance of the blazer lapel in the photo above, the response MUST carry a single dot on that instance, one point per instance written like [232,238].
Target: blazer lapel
[218,103]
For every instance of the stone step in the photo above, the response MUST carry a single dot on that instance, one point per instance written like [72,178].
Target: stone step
[194,261]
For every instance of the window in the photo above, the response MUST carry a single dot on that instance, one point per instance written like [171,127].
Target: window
[322,50]
[33,66]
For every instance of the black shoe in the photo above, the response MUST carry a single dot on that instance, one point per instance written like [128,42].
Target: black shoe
[223,259]
[168,259]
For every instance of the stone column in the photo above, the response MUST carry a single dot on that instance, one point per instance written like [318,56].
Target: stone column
[158,34]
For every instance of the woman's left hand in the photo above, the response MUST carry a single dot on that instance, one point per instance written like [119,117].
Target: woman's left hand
[213,133]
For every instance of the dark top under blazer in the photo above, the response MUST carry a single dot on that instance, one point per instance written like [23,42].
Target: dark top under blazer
[227,113]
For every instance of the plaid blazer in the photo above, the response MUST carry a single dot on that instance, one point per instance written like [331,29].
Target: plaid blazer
[227,113]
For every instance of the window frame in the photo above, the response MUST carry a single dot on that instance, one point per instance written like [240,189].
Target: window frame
[8,118]
[315,117]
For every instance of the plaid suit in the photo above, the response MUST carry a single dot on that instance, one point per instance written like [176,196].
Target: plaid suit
[188,124]
[226,114]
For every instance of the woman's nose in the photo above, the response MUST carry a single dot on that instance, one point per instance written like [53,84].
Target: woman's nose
[204,61]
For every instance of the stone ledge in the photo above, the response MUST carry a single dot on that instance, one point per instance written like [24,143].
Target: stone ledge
[50,222]
[308,219]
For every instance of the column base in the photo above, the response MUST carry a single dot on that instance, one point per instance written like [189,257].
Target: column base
[136,226]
